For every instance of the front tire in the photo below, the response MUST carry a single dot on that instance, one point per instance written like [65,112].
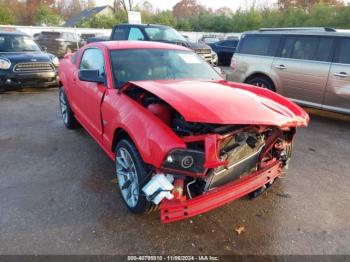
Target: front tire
[132,174]
[67,113]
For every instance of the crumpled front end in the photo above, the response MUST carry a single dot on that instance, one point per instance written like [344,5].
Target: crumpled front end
[218,162]
[223,167]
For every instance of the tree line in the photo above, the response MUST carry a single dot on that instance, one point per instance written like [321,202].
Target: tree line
[188,15]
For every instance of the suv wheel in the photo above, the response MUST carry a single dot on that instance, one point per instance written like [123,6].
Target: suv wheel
[263,82]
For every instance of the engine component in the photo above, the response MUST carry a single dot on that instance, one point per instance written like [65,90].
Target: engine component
[160,110]
[241,157]
[158,188]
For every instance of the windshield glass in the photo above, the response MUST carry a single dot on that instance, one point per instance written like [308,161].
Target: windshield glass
[17,43]
[164,34]
[157,64]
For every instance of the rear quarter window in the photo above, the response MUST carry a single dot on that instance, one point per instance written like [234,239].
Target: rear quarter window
[264,45]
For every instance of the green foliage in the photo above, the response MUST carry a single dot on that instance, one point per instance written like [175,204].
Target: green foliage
[165,18]
[6,16]
[103,21]
[45,15]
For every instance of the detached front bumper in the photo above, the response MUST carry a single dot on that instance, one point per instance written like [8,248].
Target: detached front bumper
[174,210]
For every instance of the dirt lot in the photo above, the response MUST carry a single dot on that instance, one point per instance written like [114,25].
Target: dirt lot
[56,195]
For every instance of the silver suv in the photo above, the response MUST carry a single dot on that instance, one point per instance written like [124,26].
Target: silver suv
[309,65]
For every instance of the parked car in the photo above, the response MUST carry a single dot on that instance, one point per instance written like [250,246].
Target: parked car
[180,135]
[161,33]
[210,39]
[58,43]
[225,50]
[23,63]
[309,65]
[85,38]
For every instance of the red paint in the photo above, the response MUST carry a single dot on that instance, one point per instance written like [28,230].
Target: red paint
[174,210]
[104,111]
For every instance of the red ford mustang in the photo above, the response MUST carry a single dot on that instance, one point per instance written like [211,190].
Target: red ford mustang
[182,138]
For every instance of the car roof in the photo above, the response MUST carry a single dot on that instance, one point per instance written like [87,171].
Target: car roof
[115,45]
[301,31]
[144,25]
[16,33]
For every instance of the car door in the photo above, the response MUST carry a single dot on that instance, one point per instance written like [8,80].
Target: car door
[302,68]
[337,96]
[91,93]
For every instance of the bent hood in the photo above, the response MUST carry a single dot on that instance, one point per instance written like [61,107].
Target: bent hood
[223,102]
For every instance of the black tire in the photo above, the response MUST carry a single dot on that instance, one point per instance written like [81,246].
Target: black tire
[263,82]
[67,114]
[141,205]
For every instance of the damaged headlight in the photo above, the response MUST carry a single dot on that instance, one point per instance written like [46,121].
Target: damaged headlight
[185,160]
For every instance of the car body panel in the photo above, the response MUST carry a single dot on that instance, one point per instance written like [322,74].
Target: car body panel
[301,79]
[337,93]
[249,65]
[209,102]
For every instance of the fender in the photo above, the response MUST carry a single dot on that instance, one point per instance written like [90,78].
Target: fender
[153,138]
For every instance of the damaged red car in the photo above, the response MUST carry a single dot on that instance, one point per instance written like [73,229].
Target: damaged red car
[183,139]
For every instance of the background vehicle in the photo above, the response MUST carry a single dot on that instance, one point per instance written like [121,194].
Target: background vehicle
[23,63]
[225,50]
[160,109]
[160,33]
[309,65]
[58,43]
[210,39]
[86,38]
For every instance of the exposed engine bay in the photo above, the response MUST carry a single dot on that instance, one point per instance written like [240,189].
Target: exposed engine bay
[241,149]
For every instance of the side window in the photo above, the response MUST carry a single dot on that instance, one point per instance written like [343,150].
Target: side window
[92,60]
[344,54]
[135,34]
[120,33]
[265,45]
[308,48]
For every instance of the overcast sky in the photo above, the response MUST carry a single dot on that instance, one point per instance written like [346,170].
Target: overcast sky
[215,4]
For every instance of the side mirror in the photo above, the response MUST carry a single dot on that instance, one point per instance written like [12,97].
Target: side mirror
[44,48]
[91,76]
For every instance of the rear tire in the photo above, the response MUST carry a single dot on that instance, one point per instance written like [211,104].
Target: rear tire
[132,174]
[67,114]
[262,82]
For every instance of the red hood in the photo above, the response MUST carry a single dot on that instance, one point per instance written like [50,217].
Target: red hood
[222,102]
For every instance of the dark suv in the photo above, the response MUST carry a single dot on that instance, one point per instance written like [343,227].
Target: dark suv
[161,33]
[23,63]
[58,43]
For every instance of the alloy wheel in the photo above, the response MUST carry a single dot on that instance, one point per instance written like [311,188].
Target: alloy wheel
[64,108]
[127,177]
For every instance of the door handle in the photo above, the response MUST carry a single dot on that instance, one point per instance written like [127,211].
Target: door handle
[341,74]
[281,67]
